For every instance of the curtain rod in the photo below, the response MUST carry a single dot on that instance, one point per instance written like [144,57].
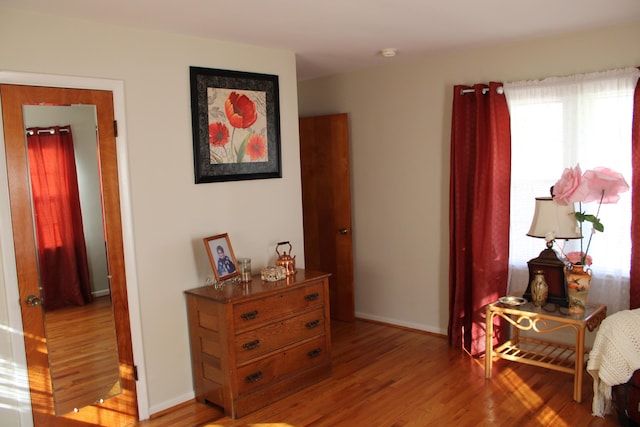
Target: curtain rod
[50,131]
[484,90]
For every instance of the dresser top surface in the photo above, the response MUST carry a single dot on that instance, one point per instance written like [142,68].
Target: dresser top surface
[256,287]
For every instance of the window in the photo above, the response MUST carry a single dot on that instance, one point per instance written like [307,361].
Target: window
[558,123]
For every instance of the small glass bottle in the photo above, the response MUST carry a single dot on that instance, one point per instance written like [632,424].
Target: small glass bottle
[539,289]
[244,265]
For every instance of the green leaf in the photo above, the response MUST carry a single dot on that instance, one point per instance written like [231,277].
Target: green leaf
[597,225]
[580,216]
[216,158]
[242,149]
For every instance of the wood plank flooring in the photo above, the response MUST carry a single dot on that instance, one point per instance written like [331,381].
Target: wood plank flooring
[390,377]
[83,354]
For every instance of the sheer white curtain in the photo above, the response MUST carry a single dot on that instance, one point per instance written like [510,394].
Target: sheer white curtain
[557,123]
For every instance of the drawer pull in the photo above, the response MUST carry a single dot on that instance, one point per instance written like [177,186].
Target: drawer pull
[251,345]
[255,377]
[312,297]
[250,315]
[314,353]
[312,324]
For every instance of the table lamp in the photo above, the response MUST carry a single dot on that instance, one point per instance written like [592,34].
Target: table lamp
[551,222]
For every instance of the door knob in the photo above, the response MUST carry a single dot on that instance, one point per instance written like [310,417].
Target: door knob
[343,231]
[33,301]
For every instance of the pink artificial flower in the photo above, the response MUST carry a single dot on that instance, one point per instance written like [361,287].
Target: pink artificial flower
[570,188]
[577,258]
[606,183]
[599,184]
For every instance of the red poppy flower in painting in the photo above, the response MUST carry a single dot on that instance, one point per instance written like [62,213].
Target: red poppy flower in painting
[218,134]
[257,147]
[241,111]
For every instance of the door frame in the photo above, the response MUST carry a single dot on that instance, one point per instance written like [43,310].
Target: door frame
[8,261]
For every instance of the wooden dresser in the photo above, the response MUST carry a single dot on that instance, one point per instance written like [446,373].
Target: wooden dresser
[254,343]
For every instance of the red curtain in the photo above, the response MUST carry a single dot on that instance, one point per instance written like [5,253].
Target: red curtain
[634,300]
[62,255]
[478,211]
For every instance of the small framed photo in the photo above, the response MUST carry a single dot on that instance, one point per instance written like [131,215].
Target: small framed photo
[236,125]
[221,256]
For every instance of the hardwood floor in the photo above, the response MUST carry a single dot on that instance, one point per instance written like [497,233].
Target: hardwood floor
[83,354]
[386,376]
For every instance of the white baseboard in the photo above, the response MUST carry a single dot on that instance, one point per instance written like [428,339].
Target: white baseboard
[154,409]
[396,322]
[101,293]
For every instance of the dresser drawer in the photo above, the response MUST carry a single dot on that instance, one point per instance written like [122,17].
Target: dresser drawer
[271,369]
[251,345]
[250,314]
[270,337]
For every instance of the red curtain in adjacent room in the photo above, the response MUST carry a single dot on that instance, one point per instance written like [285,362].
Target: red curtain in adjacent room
[634,287]
[62,256]
[478,211]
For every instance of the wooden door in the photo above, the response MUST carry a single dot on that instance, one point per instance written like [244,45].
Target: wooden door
[122,409]
[326,202]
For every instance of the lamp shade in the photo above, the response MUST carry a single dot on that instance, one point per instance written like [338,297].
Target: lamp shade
[550,217]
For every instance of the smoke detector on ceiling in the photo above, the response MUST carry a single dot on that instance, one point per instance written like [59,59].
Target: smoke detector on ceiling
[389,52]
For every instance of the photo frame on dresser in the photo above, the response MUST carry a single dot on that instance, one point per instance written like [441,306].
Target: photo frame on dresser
[236,125]
[223,260]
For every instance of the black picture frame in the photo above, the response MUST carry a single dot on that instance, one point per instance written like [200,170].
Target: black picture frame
[236,125]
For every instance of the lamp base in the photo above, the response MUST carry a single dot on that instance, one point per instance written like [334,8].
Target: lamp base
[553,269]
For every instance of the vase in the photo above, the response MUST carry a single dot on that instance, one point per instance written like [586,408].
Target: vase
[578,283]
[539,289]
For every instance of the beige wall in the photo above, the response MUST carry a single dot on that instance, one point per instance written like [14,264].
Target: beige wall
[400,133]
[170,213]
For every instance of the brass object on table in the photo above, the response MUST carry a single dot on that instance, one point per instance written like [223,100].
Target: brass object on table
[286,260]
[539,289]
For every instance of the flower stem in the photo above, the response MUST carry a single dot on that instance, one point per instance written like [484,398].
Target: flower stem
[232,150]
[584,256]
[581,239]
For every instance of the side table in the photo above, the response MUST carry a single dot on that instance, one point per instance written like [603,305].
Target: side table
[539,352]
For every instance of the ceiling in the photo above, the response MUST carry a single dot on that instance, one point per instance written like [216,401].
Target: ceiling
[335,36]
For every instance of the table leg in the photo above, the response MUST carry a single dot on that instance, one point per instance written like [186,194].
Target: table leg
[515,335]
[488,351]
[579,366]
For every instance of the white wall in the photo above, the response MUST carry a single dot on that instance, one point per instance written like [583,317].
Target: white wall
[170,213]
[400,136]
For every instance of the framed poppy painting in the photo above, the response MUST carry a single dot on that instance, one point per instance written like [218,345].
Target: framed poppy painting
[236,125]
